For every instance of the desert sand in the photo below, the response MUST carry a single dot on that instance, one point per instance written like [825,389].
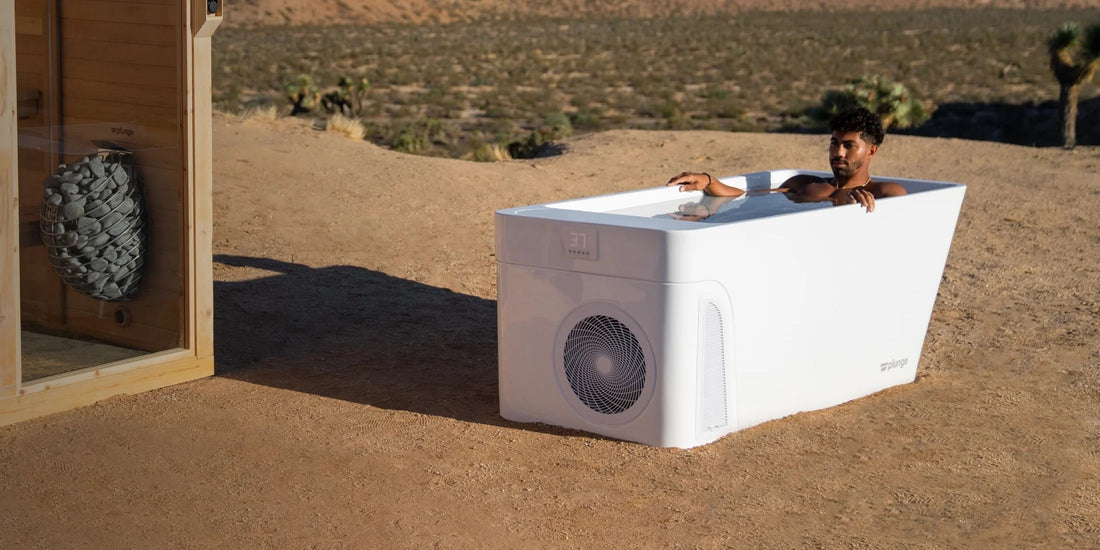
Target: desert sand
[355,402]
[342,12]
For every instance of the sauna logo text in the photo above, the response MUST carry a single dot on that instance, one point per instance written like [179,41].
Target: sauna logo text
[124,131]
[895,364]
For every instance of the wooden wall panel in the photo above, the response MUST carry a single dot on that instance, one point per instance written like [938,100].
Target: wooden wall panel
[162,197]
[108,71]
[31,44]
[32,172]
[42,292]
[33,77]
[127,54]
[128,94]
[24,9]
[138,13]
[155,148]
[120,33]
[109,110]
[150,311]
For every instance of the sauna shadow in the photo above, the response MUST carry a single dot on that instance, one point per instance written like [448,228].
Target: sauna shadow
[1032,124]
[358,335]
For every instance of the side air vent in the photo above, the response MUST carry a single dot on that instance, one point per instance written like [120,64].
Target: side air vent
[712,371]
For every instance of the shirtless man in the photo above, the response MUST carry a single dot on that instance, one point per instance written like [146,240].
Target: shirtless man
[856,136]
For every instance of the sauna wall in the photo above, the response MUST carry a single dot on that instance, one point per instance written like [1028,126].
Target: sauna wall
[42,296]
[108,71]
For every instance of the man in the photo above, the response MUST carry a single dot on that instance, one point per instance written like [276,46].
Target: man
[856,136]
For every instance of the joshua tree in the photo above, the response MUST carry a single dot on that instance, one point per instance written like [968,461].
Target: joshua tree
[358,92]
[1073,62]
[303,95]
[348,98]
[891,101]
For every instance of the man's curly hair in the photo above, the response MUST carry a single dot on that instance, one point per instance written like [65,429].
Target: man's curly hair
[859,119]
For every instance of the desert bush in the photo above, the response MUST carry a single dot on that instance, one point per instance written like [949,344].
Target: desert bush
[303,95]
[891,101]
[530,147]
[409,142]
[260,112]
[419,135]
[498,111]
[488,152]
[348,126]
[724,108]
[589,119]
[557,126]
[541,141]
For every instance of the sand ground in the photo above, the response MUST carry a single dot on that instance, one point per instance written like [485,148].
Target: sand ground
[355,401]
[342,12]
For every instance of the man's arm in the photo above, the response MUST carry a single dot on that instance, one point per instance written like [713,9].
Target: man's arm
[692,181]
[806,188]
[797,182]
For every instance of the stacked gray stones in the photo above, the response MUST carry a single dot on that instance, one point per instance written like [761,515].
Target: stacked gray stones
[93,227]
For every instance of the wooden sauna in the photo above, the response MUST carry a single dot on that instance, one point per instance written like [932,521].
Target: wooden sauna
[105,199]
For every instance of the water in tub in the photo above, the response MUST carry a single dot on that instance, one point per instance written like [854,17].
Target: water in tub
[754,204]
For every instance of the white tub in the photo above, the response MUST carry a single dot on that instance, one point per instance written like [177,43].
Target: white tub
[617,319]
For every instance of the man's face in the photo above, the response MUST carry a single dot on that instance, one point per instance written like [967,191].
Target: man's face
[848,153]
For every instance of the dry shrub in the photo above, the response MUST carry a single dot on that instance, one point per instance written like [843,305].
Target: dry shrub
[490,152]
[261,112]
[350,127]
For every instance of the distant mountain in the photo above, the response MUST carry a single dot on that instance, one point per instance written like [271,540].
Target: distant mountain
[329,12]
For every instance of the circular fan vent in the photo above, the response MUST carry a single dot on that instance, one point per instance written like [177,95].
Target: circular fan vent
[604,364]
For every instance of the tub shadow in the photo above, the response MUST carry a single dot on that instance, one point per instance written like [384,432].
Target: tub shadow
[359,335]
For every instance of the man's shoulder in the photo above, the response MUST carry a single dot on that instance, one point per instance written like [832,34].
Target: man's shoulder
[803,179]
[886,189]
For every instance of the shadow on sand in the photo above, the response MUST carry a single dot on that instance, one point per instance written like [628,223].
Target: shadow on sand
[354,334]
[1031,124]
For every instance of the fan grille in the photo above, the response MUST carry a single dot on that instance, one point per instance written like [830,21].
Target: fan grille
[604,364]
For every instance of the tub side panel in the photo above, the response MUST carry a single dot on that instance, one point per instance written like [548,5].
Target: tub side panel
[838,310]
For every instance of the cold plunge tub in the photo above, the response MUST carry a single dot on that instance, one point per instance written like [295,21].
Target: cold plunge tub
[617,319]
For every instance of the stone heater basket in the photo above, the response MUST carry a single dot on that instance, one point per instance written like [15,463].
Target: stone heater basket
[93,224]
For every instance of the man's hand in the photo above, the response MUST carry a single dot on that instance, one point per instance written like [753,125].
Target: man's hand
[690,181]
[858,195]
[694,181]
